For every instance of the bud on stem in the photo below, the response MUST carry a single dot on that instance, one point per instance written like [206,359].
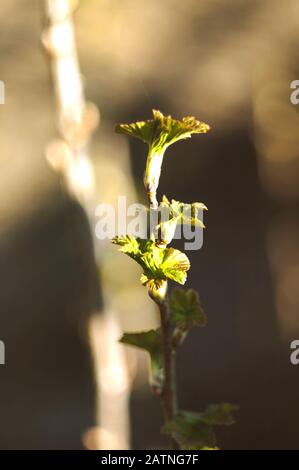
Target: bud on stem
[158,294]
[152,176]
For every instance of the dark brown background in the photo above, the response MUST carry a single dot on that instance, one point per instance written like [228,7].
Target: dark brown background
[230,64]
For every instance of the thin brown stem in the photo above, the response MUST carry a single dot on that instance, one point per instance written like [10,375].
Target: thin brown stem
[169,394]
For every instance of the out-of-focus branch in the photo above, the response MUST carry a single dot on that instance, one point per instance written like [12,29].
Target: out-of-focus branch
[69,156]
[76,118]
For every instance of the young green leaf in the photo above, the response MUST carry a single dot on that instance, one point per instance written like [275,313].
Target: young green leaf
[186,310]
[176,213]
[190,432]
[195,431]
[158,263]
[162,131]
[151,342]
[220,414]
[175,265]
[158,133]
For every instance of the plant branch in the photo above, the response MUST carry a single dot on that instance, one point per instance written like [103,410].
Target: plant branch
[183,311]
[169,393]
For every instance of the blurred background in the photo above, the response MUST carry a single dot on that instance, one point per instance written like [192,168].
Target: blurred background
[229,64]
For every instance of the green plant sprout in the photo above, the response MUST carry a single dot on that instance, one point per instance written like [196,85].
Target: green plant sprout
[183,310]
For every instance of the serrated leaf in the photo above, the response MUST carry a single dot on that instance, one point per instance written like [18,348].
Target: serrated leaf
[158,263]
[162,131]
[175,265]
[220,415]
[151,342]
[195,431]
[129,245]
[186,310]
[143,130]
[190,432]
